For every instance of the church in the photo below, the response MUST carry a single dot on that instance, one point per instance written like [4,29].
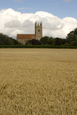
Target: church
[22,38]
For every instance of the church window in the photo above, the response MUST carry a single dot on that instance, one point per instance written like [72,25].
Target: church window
[38,30]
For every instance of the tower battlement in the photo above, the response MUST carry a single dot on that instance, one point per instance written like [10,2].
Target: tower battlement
[38,24]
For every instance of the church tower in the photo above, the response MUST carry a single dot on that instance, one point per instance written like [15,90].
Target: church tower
[38,30]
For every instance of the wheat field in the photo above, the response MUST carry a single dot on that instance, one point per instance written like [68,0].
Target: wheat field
[38,81]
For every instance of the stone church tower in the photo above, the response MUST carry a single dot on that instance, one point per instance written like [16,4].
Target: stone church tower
[38,30]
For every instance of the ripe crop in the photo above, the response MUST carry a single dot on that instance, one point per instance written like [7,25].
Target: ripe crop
[38,81]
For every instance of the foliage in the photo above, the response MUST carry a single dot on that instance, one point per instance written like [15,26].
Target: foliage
[38,46]
[32,42]
[5,40]
[72,38]
[58,41]
[44,40]
[52,41]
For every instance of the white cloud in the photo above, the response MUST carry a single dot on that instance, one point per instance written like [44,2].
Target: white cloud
[13,23]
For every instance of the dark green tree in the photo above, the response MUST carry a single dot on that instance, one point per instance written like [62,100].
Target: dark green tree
[51,41]
[44,40]
[72,38]
[32,42]
[35,42]
[5,40]
[58,41]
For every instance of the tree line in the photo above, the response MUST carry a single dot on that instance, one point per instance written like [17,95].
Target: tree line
[71,40]
[5,40]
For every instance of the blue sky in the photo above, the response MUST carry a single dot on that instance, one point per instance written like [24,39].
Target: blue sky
[60,8]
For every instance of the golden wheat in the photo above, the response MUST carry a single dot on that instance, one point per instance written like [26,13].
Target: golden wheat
[38,82]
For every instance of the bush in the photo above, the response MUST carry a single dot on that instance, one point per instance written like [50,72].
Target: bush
[36,46]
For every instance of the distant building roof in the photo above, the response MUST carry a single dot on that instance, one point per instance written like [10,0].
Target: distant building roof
[26,36]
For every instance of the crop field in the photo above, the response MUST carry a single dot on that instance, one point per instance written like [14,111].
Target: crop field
[38,81]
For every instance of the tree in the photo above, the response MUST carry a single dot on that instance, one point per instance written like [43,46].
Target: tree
[58,41]
[5,40]
[72,37]
[32,42]
[51,41]
[15,42]
[73,43]
[44,40]
[35,42]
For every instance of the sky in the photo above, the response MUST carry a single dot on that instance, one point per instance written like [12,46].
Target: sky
[58,17]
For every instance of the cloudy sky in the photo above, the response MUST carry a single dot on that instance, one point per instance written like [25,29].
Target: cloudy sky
[59,17]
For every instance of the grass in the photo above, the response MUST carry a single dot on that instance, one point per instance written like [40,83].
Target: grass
[38,81]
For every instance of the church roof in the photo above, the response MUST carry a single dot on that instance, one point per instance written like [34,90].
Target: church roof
[26,36]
